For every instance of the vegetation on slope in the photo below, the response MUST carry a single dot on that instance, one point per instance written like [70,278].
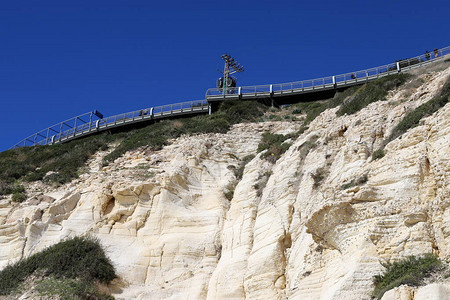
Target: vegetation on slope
[157,135]
[410,271]
[313,109]
[274,144]
[58,163]
[412,119]
[352,99]
[76,263]
[61,163]
[372,92]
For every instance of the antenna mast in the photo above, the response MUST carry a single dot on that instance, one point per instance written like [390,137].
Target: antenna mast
[231,67]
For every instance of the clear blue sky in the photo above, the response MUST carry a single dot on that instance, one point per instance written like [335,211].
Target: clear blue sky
[62,58]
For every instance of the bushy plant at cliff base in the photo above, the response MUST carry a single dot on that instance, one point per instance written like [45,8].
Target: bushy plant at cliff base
[79,262]
[410,271]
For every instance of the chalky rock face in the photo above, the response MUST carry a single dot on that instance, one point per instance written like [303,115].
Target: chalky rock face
[171,232]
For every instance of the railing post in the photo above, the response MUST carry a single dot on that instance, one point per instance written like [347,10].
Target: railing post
[209,109]
[398,66]
[60,131]
[334,81]
[271,90]
[90,121]
[75,127]
[240,92]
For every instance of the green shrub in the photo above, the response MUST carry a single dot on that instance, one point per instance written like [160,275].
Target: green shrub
[261,183]
[411,271]
[377,154]
[308,146]
[355,182]
[229,195]
[69,289]
[372,92]
[19,197]
[76,258]
[239,172]
[274,144]
[318,176]
[6,189]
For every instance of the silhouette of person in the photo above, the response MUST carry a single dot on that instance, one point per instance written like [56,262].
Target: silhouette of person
[436,53]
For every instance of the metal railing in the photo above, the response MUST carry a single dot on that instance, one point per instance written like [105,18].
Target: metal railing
[330,82]
[84,124]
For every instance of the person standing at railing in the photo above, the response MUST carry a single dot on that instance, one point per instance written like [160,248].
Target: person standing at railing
[436,53]
[427,55]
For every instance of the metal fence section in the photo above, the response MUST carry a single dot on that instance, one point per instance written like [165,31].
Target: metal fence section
[325,83]
[86,124]
[55,132]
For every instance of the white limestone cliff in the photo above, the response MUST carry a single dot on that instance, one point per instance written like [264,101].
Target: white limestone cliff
[171,233]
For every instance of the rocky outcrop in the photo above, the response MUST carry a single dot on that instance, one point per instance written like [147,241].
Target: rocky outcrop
[286,233]
[434,291]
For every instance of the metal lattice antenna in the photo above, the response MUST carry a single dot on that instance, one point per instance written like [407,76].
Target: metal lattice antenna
[231,67]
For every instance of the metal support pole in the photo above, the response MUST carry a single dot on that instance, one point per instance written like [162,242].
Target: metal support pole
[225,77]
[209,109]
[60,131]
[334,81]
[271,89]
[398,66]
[90,121]
[75,127]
